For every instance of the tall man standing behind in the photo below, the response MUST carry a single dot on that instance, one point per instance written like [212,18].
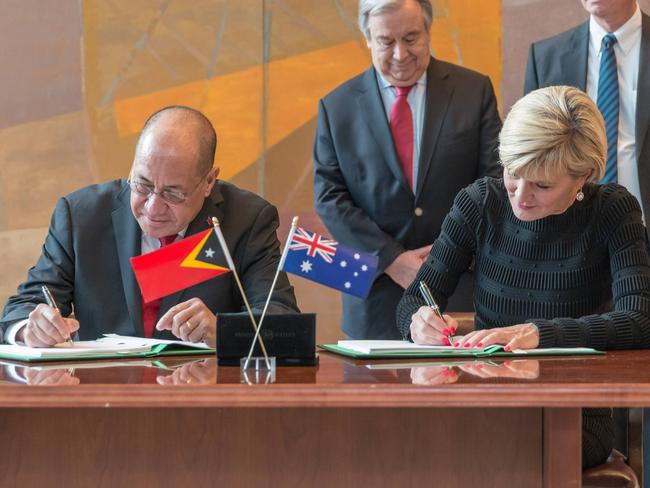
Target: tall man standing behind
[608,57]
[393,147]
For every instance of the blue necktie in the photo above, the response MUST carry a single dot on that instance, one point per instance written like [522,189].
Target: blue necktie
[608,104]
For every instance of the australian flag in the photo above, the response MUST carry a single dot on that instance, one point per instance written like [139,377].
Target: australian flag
[329,263]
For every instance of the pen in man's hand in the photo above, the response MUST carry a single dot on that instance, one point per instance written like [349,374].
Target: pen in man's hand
[50,301]
[428,298]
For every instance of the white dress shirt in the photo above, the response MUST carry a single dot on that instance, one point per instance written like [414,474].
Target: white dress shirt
[416,100]
[147,244]
[627,50]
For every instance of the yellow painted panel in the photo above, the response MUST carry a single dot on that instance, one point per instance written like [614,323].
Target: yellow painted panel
[467,32]
[233,102]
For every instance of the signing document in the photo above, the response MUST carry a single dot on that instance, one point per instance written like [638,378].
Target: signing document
[389,349]
[109,346]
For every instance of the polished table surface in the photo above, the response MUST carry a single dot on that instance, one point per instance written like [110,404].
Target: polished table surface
[619,378]
[186,421]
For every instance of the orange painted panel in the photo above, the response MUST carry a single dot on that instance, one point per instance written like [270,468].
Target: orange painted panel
[233,102]
[466,32]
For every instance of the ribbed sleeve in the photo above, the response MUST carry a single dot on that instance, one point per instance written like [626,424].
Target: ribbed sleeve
[451,254]
[582,277]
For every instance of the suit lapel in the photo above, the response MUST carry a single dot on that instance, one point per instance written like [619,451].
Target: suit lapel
[573,59]
[643,107]
[438,96]
[211,208]
[372,109]
[128,239]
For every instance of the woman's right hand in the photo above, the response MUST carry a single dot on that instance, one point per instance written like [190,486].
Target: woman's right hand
[427,328]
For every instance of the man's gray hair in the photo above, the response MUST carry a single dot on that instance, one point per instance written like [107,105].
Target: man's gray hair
[368,8]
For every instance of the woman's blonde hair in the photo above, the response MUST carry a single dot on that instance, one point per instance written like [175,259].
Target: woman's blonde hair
[551,131]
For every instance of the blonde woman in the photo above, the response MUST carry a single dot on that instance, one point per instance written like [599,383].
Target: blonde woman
[559,259]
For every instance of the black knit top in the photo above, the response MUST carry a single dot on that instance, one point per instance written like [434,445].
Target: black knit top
[582,277]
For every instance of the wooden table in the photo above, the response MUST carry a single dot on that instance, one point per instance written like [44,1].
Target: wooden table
[488,424]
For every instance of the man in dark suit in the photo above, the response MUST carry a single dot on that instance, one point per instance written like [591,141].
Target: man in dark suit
[385,174]
[574,58]
[579,57]
[172,191]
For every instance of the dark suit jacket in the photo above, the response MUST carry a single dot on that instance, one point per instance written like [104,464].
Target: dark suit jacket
[85,260]
[562,60]
[361,193]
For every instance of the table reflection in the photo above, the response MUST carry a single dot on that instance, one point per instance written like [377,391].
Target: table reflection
[136,371]
[52,377]
[203,370]
[200,372]
[527,369]
[168,371]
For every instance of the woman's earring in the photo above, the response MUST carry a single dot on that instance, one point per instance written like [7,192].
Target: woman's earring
[580,196]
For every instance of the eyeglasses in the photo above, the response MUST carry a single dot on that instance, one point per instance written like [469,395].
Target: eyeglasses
[174,197]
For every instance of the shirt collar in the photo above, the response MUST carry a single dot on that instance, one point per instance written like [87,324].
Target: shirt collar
[155,240]
[383,84]
[626,35]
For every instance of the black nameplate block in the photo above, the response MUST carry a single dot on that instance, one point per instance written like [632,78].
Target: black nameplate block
[290,338]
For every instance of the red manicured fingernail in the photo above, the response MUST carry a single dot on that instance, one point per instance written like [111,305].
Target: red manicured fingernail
[446,332]
[453,330]
[446,342]
[446,372]
[479,366]
[467,344]
[480,344]
[507,348]
[457,344]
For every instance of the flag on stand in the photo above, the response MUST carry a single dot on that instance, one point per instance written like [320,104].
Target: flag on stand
[329,263]
[178,266]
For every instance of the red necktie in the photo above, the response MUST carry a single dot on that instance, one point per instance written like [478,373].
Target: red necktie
[401,126]
[150,310]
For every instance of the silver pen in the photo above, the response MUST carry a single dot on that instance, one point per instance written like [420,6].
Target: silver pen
[50,301]
[428,298]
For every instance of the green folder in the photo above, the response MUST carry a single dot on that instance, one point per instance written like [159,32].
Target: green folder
[490,351]
[109,347]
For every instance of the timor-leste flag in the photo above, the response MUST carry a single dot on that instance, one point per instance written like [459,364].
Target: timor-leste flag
[178,266]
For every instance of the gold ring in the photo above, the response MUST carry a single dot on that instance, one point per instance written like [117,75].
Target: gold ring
[189,326]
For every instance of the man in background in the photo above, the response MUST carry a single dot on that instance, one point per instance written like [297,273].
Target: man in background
[393,147]
[608,57]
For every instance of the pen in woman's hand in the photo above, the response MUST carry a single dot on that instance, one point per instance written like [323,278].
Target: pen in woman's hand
[50,301]
[428,298]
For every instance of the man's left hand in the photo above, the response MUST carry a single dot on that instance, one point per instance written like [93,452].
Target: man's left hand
[190,321]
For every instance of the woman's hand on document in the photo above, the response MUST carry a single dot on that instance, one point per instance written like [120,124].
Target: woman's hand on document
[520,336]
[428,328]
[190,321]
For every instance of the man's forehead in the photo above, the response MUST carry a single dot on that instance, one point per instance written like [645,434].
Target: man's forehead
[174,165]
[172,142]
[390,23]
